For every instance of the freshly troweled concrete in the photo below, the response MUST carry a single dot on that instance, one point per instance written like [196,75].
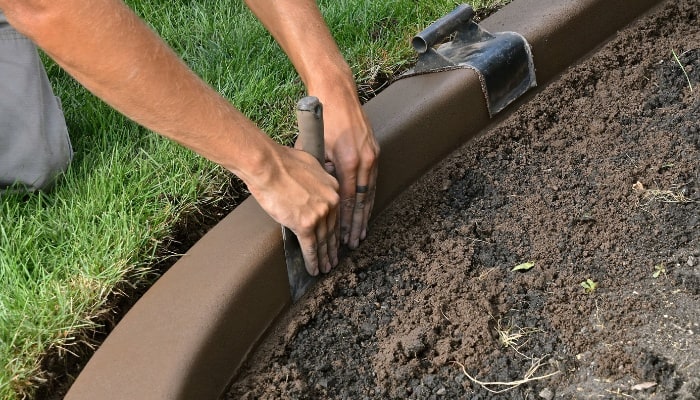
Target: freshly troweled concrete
[190,332]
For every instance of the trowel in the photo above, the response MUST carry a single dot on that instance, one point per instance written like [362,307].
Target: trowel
[310,121]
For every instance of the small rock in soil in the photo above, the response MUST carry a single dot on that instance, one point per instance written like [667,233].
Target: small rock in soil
[546,394]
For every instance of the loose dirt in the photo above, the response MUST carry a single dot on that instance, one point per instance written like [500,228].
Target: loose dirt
[596,179]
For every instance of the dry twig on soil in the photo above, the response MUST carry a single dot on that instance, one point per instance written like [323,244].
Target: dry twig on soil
[658,195]
[678,60]
[529,377]
[510,336]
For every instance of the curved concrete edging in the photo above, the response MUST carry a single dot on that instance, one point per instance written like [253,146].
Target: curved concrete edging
[187,336]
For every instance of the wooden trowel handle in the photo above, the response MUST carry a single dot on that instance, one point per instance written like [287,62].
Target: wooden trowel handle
[310,120]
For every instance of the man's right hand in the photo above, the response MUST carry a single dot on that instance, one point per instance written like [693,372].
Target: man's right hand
[298,193]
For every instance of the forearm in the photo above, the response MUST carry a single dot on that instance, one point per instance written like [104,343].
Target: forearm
[118,58]
[299,28]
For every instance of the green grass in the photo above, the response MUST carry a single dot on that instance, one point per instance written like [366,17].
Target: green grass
[63,253]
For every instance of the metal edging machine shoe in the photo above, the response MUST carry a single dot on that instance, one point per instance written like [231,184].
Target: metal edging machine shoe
[502,60]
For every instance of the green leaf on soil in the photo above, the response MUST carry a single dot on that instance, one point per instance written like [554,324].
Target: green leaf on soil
[589,285]
[524,266]
[659,269]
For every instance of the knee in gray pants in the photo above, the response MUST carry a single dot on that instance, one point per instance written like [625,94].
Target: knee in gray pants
[34,143]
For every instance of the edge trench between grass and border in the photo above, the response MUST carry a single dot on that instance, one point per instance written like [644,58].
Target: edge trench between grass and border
[188,335]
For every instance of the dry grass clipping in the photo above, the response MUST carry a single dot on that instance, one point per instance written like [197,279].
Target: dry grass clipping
[510,336]
[528,377]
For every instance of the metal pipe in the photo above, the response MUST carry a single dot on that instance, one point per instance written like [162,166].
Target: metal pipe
[442,28]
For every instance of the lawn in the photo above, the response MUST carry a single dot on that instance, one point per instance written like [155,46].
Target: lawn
[64,253]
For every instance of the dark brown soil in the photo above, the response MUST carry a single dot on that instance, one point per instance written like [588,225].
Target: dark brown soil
[597,177]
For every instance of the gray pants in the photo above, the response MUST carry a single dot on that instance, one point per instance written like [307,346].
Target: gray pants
[34,143]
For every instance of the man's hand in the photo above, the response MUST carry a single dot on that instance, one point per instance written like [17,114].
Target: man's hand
[352,152]
[296,192]
[298,27]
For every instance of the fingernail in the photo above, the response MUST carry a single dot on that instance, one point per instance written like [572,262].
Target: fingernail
[346,238]
[364,234]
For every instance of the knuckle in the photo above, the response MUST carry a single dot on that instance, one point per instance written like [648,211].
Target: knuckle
[320,213]
[307,224]
[351,160]
[370,154]
[335,200]
[323,210]
[355,158]
[335,185]
[348,203]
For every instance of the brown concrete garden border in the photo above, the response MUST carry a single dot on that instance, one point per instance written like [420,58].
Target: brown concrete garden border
[191,331]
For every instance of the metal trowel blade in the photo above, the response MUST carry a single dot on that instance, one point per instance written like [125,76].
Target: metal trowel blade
[299,279]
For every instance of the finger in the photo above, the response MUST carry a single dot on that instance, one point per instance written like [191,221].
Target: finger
[309,250]
[347,205]
[322,247]
[308,242]
[347,177]
[369,204]
[327,234]
[358,214]
[364,200]
[335,220]
[332,242]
